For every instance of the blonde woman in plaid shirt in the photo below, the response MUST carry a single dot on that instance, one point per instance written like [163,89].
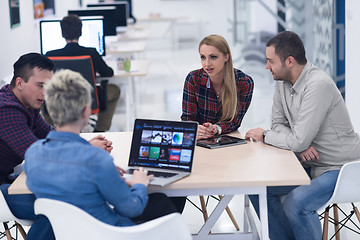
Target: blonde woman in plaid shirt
[217,95]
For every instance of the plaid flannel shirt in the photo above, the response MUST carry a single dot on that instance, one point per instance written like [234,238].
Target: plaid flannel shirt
[200,102]
[19,128]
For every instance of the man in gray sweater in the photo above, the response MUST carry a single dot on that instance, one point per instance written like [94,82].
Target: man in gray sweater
[309,117]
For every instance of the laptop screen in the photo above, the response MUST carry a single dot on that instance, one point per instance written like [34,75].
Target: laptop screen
[163,144]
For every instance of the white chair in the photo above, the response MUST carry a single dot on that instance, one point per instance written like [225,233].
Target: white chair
[7,216]
[346,190]
[71,222]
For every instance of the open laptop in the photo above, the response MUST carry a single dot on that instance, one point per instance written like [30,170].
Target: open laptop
[163,148]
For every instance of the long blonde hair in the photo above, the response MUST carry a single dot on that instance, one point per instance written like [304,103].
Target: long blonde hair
[229,91]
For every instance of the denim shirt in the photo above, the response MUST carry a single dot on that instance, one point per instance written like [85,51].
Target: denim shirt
[65,167]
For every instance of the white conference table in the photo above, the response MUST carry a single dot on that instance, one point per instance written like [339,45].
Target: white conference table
[243,169]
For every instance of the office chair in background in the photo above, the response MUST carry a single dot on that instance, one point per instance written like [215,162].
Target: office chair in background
[84,66]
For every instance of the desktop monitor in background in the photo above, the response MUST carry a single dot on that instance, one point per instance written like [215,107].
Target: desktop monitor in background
[130,11]
[131,16]
[109,14]
[92,34]
[122,13]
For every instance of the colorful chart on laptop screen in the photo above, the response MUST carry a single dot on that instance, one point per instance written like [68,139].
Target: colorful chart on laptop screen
[163,144]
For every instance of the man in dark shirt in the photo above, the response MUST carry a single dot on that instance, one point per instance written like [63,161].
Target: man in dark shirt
[20,126]
[71,30]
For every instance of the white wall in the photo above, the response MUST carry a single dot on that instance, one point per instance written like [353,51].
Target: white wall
[261,19]
[210,12]
[14,42]
[25,37]
[352,53]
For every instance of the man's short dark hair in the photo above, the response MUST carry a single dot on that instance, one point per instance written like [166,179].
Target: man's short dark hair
[25,65]
[288,44]
[71,27]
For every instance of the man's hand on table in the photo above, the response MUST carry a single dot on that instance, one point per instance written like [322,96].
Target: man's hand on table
[101,142]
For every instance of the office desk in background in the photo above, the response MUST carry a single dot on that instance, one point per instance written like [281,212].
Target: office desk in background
[139,26]
[131,34]
[129,48]
[134,34]
[177,28]
[138,68]
[243,169]
[157,18]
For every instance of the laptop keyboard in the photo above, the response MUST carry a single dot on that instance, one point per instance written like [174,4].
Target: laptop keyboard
[156,174]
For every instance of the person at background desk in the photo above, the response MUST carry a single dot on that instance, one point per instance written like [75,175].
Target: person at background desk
[65,167]
[20,126]
[71,28]
[218,95]
[310,118]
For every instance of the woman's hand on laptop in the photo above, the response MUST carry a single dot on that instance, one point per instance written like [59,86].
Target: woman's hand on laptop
[101,142]
[121,171]
[139,176]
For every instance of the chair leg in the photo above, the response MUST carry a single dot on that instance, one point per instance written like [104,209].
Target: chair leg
[336,221]
[203,207]
[21,230]
[326,224]
[356,211]
[204,210]
[7,231]
[230,215]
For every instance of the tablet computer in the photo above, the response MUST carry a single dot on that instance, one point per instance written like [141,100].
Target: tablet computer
[220,141]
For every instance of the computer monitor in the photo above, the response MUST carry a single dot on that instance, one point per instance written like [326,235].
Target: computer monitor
[92,34]
[109,14]
[129,4]
[122,12]
[130,10]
